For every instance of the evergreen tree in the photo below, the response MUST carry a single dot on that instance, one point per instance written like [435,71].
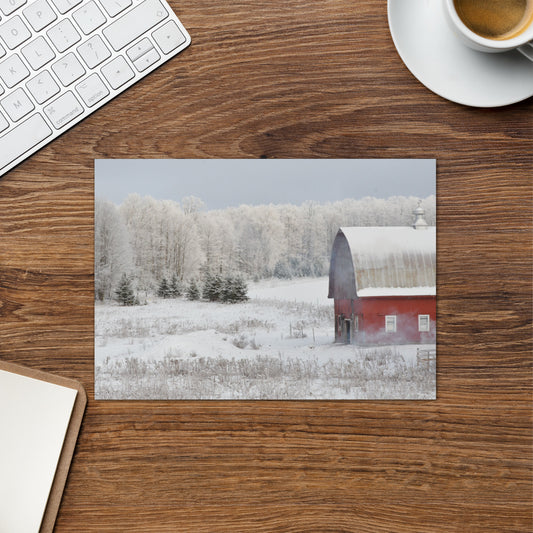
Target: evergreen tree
[226,290]
[207,287]
[239,290]
[174,287]
[282,270]
[124,293]
[234,290]
[192,292]
[163,290]
[212,289]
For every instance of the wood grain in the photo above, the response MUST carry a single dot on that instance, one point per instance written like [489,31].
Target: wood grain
[293,79]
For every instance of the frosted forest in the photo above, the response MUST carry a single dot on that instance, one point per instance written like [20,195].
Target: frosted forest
[232,303]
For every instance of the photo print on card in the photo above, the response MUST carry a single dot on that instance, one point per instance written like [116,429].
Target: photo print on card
[264,279]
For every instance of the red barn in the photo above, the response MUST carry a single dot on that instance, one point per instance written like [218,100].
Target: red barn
[382,280]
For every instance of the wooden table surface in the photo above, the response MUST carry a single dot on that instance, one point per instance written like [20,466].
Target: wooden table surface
[293,79]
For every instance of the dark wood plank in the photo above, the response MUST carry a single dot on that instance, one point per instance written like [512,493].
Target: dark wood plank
[293,79]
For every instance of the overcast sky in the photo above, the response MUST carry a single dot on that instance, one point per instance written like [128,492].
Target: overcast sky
[221,183]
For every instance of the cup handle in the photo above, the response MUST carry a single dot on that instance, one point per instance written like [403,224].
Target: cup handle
[527,50]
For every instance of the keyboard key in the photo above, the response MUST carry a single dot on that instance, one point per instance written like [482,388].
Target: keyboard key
[139,49]
[92,90]
[146,60]
[2,51]
[23,138]
[14,32]
[117,72]
[89,17]
[114,7]
[42,87]
[3,123]
[168,37]
[17,105]
[39,14]
[13,70]
[68,69]
[38,53]
[134,23]
[66,5]
[63,110]
[94,51]
[63,35]
[10,6]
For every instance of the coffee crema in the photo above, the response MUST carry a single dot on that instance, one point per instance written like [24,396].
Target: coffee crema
[495,19]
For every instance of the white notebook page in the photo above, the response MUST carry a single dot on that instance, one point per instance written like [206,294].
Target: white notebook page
[34,417]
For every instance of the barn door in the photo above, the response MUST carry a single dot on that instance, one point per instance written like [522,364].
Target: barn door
[348,337]
[346,331]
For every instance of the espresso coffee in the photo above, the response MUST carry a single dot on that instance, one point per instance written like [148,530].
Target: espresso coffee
[495,19]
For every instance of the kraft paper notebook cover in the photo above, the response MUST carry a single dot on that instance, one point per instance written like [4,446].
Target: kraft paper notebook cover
[40,417]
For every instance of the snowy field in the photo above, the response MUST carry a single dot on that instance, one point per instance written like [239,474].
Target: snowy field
[277,345]
[310,290]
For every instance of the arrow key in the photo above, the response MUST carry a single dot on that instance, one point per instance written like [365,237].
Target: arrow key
[147,60]
[139,49]
[168,37]
[117,72]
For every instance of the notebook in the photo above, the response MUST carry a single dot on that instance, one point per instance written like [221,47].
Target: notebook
[40,417]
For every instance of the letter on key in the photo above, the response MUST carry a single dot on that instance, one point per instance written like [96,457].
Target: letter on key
[13,70]
[17,104]
[38,53]
[14,32]
[39,14]
[8,6]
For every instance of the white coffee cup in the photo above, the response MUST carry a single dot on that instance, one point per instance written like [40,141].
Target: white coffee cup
[522,42]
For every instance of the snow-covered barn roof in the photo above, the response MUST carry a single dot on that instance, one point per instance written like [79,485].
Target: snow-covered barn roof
[383,261]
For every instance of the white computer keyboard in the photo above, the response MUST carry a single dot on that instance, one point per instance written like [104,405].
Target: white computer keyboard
[60,60]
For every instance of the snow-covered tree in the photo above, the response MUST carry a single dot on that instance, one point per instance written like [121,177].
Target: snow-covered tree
[193,291]
[234,289]
[163,291]
[174,287]
[124,292]
[112,251]
[150,239]
[212,287]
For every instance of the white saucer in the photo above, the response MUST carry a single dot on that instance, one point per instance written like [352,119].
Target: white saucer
[433,54]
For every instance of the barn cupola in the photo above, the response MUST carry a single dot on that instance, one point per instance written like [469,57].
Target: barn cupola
[420,222]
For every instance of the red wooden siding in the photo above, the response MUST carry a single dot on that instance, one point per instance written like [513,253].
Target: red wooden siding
[366,317]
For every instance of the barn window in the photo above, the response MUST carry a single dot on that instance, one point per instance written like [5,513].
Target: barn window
[423,322]
[356,323]
[390,323]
